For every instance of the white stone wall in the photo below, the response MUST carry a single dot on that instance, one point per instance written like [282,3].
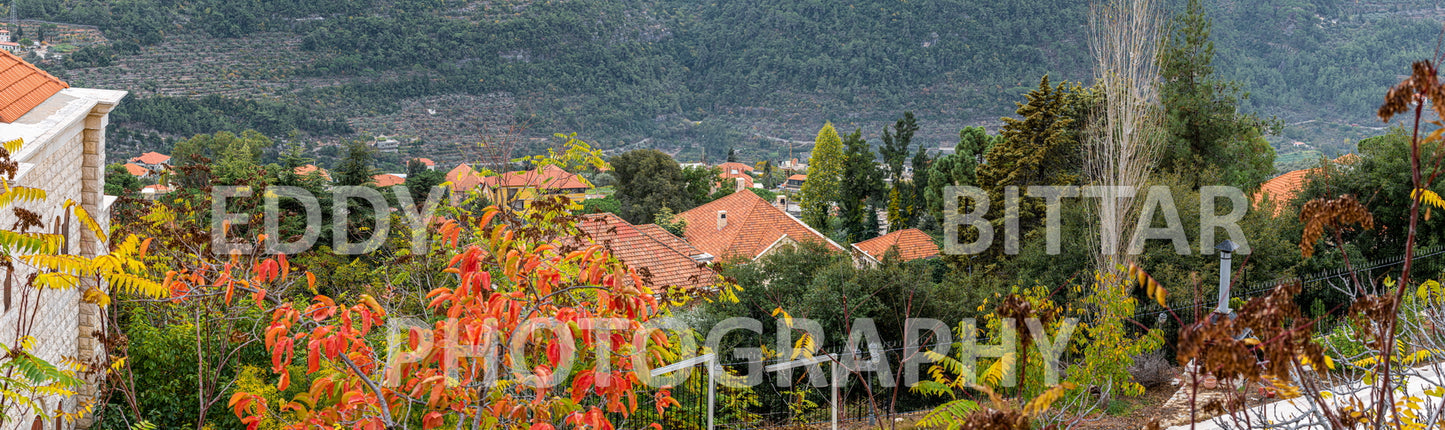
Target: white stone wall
[63,155]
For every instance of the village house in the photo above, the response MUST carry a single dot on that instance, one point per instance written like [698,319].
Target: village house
[795,182]
[661,258]
[63,130]
[735,176]
[521,187]
[136,170]
[310,169]
[8,45]
[388,179]
[152,160]
[746,226]
[911,244]
[1283,188]
[518,188]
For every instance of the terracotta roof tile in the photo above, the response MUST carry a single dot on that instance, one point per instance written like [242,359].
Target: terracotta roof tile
[660,258]
[427,161]
[729,166]
[912,244]
[152,158]
[798,178]
[463,178]
[23,86]
[752,226]
[307,169]
[548,177]
[387,180]
[136,170]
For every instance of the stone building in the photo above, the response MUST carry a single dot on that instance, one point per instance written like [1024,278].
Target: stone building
[64,153]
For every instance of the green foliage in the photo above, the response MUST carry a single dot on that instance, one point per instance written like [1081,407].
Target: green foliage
[1040,148]
[1110,347]
[896,144]
[26,380]
[210,114]
[194,160]
[669,221]
[956,169]
[1202,124]
[825,170]
[356,168]
[860,185]
[649,180]
[119,181]
[766,194]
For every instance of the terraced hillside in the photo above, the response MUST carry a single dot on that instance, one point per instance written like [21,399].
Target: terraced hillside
[693,78]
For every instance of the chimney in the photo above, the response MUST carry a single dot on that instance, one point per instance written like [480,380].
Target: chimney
[722,219]
[1226,249]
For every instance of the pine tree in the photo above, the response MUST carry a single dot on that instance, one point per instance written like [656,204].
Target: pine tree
[732,155]
[1041,148]
[861,184]
[825,168]
[922,164]
[959,168]
[1203,127]
[355,169]
[896,144]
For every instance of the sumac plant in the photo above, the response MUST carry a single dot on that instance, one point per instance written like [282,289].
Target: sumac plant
[521,309]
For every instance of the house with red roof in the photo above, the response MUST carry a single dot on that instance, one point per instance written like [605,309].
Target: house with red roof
[734,176]
[521,187]
[310,169]
[911,244]
[743,225]
[430,165]
[661,259]
[136,170]
[152,160]
[387,180]
[795,182]
[1283,188]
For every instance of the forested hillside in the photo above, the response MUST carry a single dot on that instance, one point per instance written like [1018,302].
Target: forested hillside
[686,76]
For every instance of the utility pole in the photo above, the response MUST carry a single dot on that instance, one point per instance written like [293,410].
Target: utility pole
[15,18]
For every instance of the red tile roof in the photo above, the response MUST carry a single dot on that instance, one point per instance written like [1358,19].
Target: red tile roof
[729,166]
[798,178]
[730,181]
[427,161]
[307,169]
[463,178]
[912,244]
[23,86]
[152,158]
[753,226]
[387,180]
[660,258]
[548,177]
[667,238]
[136,170]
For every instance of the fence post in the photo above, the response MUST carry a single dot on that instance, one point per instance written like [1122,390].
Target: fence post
[711,388]
[834,407]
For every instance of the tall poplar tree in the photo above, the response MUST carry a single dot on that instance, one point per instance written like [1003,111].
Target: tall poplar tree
[825,168]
